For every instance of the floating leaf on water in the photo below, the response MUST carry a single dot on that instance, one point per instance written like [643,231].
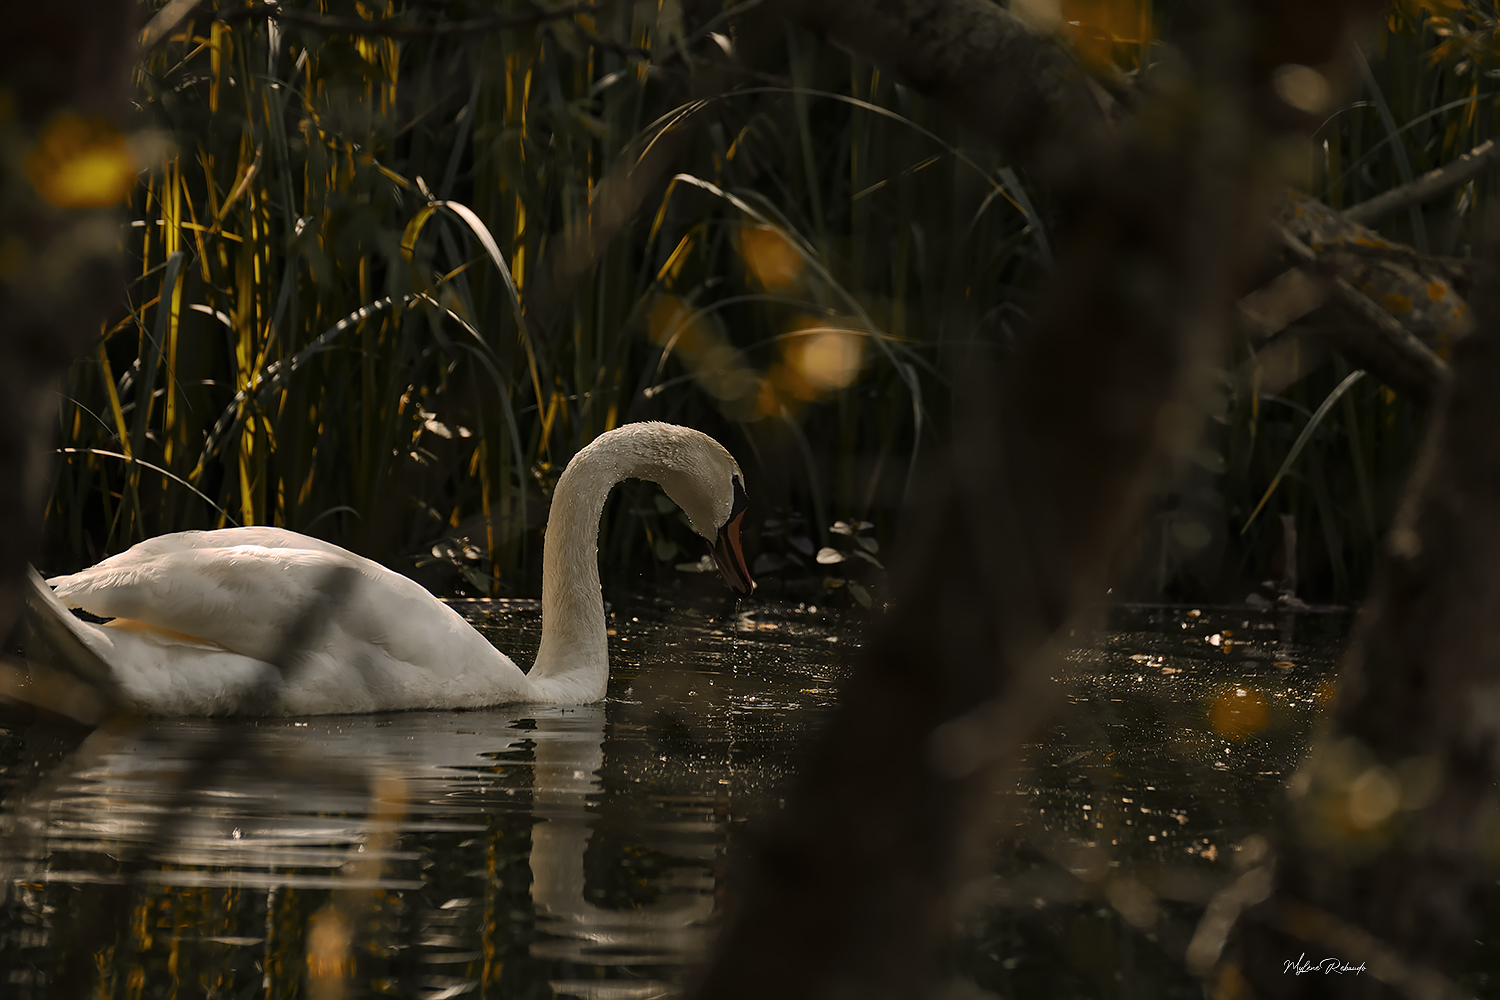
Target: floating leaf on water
[827,556]
[860,594]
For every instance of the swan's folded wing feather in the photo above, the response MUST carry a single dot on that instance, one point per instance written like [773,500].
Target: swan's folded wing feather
[242,598]
[221,538]
[246,598]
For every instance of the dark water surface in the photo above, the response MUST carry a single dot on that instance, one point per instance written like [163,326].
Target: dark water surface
[539,852]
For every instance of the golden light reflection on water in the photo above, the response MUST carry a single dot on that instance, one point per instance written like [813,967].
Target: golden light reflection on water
[581,851]
[330,962]
[1239,712]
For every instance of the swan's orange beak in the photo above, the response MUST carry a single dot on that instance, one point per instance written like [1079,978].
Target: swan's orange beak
[730,558]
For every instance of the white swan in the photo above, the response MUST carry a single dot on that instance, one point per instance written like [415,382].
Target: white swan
[199,616]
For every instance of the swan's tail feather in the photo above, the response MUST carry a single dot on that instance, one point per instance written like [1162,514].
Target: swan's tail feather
[59,642]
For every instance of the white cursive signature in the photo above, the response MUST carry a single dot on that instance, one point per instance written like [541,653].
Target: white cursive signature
[1328,966]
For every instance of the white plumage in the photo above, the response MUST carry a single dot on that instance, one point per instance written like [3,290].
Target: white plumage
[200,615]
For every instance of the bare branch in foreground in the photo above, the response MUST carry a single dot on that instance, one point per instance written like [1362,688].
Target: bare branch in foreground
[1416,290]
[1022,91]
[389,27]
[58,62]
[1386,847]
[1429,185]
[1394,348]
[1017,534]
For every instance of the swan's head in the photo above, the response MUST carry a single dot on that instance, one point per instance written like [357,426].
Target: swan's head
[725,545]
[704,480]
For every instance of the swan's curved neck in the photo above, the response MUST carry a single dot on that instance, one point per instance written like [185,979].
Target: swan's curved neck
[572,664]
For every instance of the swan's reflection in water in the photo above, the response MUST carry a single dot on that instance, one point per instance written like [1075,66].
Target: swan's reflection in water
[292,814]
[584,933]
[512,852]
[536,852]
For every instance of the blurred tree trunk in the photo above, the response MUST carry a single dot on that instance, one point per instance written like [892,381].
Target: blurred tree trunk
[856,887]
[1386,852]
[64,164]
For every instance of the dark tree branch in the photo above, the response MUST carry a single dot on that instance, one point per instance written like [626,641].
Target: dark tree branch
[1401,309]
[64,270]
[857,884]
[392,28]
[1024,93]
[1409,871]
[1429,185]
[1392,348]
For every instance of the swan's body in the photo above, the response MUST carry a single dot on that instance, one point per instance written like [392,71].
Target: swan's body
[201,618]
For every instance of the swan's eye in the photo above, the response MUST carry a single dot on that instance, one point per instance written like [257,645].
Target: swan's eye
[741,501]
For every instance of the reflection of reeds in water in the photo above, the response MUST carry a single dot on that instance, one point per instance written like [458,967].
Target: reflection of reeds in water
[353,851]
[79,684]
[434,848]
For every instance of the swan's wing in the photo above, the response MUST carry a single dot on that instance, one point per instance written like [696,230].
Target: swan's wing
[157,674]
[143,670]
[385,644]
[245,598]
[222,538]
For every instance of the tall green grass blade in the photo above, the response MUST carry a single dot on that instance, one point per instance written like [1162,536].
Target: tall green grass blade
[154,468]
[1398,147]
[1303,438]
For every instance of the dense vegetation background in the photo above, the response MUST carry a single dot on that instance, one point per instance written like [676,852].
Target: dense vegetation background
[361,306]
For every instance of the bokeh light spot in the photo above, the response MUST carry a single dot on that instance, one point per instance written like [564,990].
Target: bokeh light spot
[830,359]
[770,256]
[81,163]
[1373,797]
[1238,713]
